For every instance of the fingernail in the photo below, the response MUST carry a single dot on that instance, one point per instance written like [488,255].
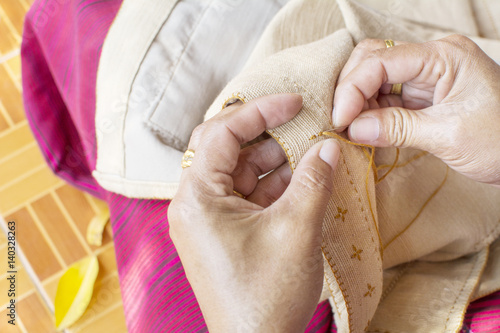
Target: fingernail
[364,129]
[336,127]
[330,152]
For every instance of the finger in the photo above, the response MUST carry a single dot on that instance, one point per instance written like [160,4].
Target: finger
[311,185]
[254,161]
[217,154]
[360,52]
[397,64]
[271,187]
[395,127]
[197,134]
[385,101]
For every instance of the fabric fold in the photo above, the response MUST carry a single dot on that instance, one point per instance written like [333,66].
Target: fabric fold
[421,210]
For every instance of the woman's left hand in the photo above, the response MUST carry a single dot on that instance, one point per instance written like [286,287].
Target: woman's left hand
[254,264]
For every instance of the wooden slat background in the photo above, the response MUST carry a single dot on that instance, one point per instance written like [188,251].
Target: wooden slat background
[51,217]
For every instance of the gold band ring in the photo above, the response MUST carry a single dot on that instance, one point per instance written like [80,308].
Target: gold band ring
[187,158]
[239,194]
[396,89]
[389,43]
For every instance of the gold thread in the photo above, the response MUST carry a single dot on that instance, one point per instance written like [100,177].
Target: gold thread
[372,156]
[328,258]
[405,163]
[290,157]
[463,287]
[378,180]
[421,209]
[233,96]
[478,296]
[401,271]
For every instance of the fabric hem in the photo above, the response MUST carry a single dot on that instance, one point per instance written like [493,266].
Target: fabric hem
[136,188]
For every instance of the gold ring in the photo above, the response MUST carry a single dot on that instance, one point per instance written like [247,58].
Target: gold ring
[389,43]
[187,158]
[239,194]
[396,89]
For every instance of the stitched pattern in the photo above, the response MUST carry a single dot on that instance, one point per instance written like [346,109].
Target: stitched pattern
[401,272]
[342,289]
[371,162]
[492,235]
[371,289]
[341,213]
[233,99]
[460,292]
[285,147]
[357,253]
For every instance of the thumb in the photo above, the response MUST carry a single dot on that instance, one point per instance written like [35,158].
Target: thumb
[311,185]
[392,127]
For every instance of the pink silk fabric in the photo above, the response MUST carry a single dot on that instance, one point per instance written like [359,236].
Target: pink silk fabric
[61,46]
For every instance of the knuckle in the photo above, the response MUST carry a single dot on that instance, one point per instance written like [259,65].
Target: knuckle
[198,130]
[460,40]
[459,45]
[316,178]
[366,48]
[401,126]
[369,44]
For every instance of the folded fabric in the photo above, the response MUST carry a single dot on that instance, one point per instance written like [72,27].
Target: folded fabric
[405,239]
[420,209]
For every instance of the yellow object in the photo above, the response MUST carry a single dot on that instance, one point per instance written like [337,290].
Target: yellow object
[96,228]
[396,87]
[187,158]
[74,291]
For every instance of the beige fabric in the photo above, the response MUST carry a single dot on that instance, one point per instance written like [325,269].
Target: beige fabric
[455,15]
[489,282]
[486,13]
[178,56]
[112,97]
[392,293]
[423,209]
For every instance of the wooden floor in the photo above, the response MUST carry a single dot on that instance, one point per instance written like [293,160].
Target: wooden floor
[51,217]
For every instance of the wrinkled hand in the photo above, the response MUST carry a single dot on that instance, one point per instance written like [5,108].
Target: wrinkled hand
[450,105]
[254,264]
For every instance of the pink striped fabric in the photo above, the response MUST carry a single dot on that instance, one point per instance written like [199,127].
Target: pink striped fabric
[60,52]
[483,315]
[151,273]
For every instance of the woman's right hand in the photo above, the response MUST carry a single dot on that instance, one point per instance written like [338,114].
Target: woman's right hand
[450,102]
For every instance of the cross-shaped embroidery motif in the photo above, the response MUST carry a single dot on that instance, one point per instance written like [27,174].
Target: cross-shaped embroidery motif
[370,290]
[341,213]
[356,253]
[367,325]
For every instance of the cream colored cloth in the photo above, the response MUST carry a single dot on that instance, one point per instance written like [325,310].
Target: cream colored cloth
[160,68]
[421,210]
[432,225]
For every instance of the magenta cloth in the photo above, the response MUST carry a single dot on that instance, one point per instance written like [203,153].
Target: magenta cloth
[62,42]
